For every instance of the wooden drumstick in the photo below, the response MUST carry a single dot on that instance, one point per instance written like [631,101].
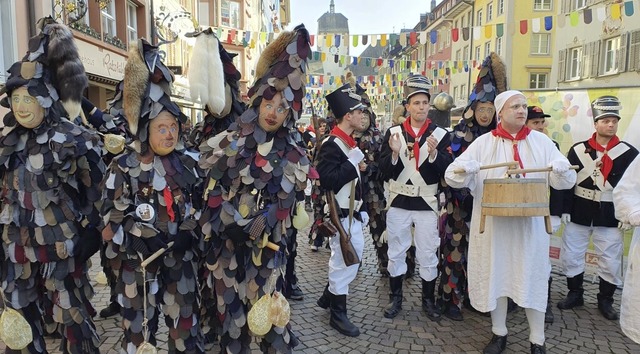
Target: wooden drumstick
[519,171]
[486,167]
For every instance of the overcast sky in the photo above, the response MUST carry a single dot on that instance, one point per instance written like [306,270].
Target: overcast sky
[365,16]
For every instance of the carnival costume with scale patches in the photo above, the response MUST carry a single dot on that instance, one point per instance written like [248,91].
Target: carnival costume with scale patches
[148,203]
[50,169]
[255,179]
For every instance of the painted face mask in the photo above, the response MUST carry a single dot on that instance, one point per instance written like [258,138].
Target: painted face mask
[28,112]
[163,133]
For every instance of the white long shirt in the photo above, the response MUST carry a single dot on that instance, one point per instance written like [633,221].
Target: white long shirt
[626,199]
[511,257]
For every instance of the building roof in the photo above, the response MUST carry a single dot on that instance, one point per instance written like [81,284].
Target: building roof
[332,22]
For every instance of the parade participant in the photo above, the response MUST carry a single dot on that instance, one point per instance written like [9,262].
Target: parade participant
[511,257]
[588,210]
[536,120]
[478,118]
[626,200]
[51,170]
[256,176]
[414,157]
[339,161]
[150,202]
[316,240]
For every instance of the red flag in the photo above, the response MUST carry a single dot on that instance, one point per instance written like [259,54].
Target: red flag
[523,26]
[312,39]
[413,38]
[455,34]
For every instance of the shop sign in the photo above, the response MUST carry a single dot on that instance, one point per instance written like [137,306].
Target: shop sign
[100,61]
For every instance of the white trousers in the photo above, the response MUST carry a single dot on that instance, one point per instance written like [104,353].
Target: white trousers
[426,239]
[608,245]
[340,276]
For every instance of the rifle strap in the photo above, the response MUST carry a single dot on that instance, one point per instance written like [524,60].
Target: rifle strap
[352,202]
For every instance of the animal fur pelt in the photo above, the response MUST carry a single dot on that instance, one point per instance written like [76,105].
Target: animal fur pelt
[271,53]
[350,79]
[398,116]
[68,73]
[206,73]
[499,73]
[136,80]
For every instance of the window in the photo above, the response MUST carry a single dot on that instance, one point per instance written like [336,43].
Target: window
[230,13]
[7,38]
[78,11]
[490,12]
[610,55]
[578,4]
[499,45]
[465,54]
[479,18]
[575,63]
[537,80]
[542,5]
[500,7]
[458,53]
[463,23]
[634,51]
[463,91]
[109,19]
[477,56]
[455,92]
[487,49]
[132,22]
[540,43]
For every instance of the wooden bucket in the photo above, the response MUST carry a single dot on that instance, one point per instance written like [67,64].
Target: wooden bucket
[515,197]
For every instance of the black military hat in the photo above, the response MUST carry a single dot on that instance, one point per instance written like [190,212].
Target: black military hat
[344,100]
[606,106]
[416,84]
[534,112]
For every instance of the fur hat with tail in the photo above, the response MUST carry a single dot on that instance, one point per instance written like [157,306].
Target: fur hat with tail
[136,81]
[68,75]
[206,72]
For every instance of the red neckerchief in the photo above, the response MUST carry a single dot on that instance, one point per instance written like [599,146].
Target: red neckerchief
[607,162]
[346,138]
[522,134]
[416,137]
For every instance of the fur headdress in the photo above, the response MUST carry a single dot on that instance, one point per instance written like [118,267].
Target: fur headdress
[491,81]
[281,68]
[52,69]
[147,89]
[206,72]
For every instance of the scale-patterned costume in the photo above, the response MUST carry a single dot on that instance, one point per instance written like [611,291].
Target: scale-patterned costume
[254,180]
[50,198]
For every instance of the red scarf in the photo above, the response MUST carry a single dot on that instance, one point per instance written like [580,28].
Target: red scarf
[416,137]
[522,134]
[607,162]
[346,138]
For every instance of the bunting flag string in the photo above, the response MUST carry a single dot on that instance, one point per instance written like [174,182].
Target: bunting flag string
[533,25]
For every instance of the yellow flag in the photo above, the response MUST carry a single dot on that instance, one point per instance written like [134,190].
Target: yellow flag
[615,11]
[383,40]
[487,31]
[328,40]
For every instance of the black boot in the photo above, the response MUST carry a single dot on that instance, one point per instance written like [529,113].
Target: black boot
[428,300]
[548,315]
[111,310]
[325,300]
[339,320]
[496,345]
[538,349]
[574,297]
[605,300]
[452,312]
[395,297]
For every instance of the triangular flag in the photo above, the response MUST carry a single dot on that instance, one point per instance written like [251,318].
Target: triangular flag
[628,8]
[365,39]
[379,62]
[413,38]
[574,17]
[455,33]
[263,37]
[337,40]
[615,11]
[323,56]
[465,34]
[383,40]
[476,32]
[433,36]
[354,41]
[601,13]
[391,61]
[252,44]
[561,21]
[423,37]
[316,55]
[328,40]
[374,40]
[343,58]
[403,39]
[523,26]
[535,25]
[487,31]
[548,23]
[355,61]
[587,16]
[499,30]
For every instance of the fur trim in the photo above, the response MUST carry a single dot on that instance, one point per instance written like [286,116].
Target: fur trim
[271,53]
[350,79]
[398,116]
[136,80]
[69,76]
[499,73]
[206,73]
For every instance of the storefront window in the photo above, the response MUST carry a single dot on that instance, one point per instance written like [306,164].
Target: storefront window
[230,14]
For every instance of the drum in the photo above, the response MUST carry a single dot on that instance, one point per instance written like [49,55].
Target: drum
[515,197]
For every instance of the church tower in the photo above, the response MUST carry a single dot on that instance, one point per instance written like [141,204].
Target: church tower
[332,23]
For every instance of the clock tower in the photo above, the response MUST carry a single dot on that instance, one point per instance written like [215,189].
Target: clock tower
[332,24]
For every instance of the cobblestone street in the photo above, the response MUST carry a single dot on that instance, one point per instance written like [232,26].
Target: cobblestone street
[581,331]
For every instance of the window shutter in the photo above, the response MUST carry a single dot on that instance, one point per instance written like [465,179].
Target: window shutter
[561,65]
[634,51]
[622,53]
[585,60]
[566,6]
[595,59]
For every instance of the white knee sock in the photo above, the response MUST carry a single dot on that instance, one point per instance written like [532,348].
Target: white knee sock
[499,317]
[536,326]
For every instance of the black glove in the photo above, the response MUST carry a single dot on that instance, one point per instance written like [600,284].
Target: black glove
[183,241]
[88,244]
[236,233]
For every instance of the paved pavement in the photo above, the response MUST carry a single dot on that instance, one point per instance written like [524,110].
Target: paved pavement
[575,331]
